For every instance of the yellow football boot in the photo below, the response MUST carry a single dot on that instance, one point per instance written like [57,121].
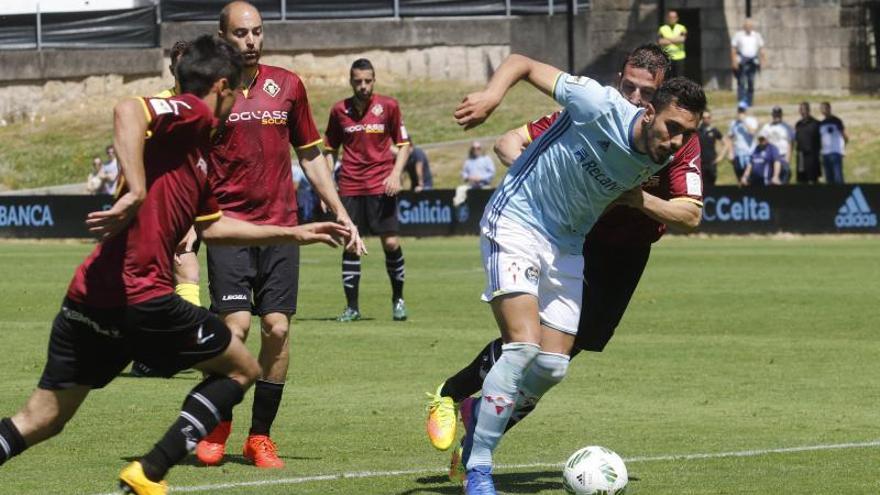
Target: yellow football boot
[442,417]
[133,481]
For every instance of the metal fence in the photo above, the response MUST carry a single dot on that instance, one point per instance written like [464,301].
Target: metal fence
[139,28]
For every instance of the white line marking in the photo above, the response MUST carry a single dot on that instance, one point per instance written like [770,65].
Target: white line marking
[408,472]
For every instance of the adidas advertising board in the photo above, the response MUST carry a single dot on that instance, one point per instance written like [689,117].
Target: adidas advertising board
[727,210]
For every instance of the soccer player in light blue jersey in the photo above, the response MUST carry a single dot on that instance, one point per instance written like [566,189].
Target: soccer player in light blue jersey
[533,229]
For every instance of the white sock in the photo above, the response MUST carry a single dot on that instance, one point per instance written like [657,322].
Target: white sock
[500,390]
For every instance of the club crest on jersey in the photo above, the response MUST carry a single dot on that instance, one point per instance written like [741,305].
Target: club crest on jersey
[271,88]
[377,109]
[202,165]
[500,402]
[532,274]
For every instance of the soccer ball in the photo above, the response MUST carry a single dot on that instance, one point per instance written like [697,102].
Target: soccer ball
[595,471]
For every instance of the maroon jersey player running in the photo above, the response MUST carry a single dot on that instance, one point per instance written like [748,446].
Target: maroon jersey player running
[366,126]
[251,174]
[121,302]
[618,246]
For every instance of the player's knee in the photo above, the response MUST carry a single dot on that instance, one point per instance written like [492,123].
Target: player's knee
[390,244]
[276,331]
[552,366]
[521,353]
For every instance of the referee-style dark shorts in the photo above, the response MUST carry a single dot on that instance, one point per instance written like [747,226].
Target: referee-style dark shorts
[259,279]
[91,346]
[375,214]
[611,274]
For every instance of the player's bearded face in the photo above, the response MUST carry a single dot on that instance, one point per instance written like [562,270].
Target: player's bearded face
[362,81]
[638,85]
[245,32]
[667,131]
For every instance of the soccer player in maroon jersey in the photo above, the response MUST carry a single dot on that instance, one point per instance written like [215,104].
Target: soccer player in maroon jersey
[366,126]
[250,166]
[615,251]
[121,302]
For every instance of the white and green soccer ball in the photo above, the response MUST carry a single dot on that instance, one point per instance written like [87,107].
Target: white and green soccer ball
[595,471]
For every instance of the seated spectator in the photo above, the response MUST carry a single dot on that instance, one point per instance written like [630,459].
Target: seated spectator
[110,171]
[479,169]
[305,196]
[764,168]
[418,169]
[780,135]
[95,183]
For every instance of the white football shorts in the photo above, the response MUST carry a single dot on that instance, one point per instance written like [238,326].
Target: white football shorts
[519,259]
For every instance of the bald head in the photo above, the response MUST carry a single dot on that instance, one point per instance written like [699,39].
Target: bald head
[242,25]
[237,9]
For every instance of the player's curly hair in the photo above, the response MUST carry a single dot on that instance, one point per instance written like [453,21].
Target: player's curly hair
[685,93]
[206,60]
[649,56]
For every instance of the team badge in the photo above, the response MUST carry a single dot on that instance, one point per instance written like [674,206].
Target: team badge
[377,109]
[271,88]
[532,274]
[202,165]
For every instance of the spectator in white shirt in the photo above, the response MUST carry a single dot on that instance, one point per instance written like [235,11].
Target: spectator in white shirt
[478,170]
[780,134]
[834,139]
[746,57]
[110,172]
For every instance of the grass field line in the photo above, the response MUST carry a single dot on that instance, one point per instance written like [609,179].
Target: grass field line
[422,471]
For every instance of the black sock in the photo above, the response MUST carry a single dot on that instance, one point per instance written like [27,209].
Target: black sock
[396,272]
[11,441]
[469,380]
[351,278]
[200,414]
[267,398]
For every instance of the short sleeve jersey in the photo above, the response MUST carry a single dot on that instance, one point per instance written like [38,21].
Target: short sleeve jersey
[136,265]
[831,130]
[681,180]
[250,162]
[780,135]
[562,183]
[366,140]
[762,161]
[807,135]
[743,140]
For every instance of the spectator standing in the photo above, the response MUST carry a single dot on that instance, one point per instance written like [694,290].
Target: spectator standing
[478,170]
[742,137]
[780,135]
[671,36]
[110,172]
[418,169]
[746,57]
[764,168]
[834,140]
[95,183]
[709,156]
[809,143]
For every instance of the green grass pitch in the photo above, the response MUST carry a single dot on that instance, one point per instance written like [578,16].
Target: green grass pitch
[730,345]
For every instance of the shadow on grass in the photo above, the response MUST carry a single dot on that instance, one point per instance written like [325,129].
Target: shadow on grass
[333,318]
[529,482]
[191,460]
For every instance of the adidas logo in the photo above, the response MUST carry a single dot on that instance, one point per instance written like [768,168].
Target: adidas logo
[855,212]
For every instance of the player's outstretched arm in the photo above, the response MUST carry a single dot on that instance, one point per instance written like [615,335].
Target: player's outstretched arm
[129,133]
[227,230]
[682,215]
[476,107]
